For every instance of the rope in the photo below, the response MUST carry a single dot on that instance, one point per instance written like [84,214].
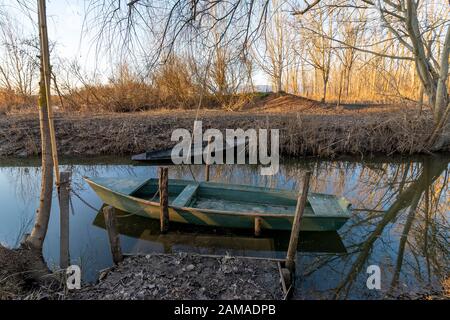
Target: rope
[367,210]
[97,210]
[192,173]
[84,201]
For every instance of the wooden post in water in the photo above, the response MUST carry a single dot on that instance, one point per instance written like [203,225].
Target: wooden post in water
[111,226]
[207,173]
[64,208]
[207,160]
[164,198]
[258,222]
[293,242]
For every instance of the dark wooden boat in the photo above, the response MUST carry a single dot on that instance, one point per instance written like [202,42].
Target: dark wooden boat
[164,156]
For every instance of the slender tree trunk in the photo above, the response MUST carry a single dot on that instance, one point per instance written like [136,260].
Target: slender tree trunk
[37,236]
[441,90]
[340,89]
[36,239]
[441,135]
[325,85]
[421,96]
[279,83]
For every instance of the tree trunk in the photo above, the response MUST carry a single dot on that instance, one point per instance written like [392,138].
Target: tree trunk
[441,135]
[325,85]
[441,90]
[37,236]
[36,239]
[440,138]
[279,79]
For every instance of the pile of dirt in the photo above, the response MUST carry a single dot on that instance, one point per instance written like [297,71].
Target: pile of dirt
[285,102]
[183,276]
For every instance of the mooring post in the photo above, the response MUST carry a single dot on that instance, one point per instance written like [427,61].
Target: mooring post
[164,198]
[258,222]
[208,159]
[64,207]
[113,235]
[293,242]
[207,173]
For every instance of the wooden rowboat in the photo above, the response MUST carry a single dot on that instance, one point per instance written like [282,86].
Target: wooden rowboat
[164,156]
[222,205]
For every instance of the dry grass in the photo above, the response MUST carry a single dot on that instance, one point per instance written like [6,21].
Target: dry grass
[174,85]
[12,102]
[315,129]
[136,96]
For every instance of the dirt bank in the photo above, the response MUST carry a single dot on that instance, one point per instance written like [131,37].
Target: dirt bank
[184,276]
[305,129]
[157,277]
[23,273]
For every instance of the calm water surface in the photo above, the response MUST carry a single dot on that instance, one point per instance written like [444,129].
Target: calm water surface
[400,222]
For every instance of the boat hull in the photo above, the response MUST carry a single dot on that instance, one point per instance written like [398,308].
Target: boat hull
[214,218]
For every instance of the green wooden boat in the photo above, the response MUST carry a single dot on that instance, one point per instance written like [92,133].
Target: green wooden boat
[222,205]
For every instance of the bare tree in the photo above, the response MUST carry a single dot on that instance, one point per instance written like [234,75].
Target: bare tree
[37,236]
[352,26]
[319,44]
[125,25]
[404,19]
[18,65]
[275,54]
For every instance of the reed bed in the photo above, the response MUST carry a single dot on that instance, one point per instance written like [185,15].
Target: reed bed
[327,133]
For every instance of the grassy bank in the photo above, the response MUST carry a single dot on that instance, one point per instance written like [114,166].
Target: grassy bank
[305,129]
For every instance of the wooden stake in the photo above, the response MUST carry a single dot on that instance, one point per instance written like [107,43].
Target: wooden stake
[207,173]
[164,198]
[207,160]
[45,52]
[258,222]
[114,240]
[64,207]
[293,242]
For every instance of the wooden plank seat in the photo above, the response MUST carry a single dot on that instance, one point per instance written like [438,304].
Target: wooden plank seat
[186,195]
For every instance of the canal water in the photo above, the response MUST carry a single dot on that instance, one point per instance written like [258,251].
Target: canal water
[400,222]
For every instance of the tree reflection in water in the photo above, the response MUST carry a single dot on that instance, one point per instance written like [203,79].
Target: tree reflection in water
[400,222]
[408,239]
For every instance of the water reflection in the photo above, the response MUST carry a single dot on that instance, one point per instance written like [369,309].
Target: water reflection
[400,222]
[218,241]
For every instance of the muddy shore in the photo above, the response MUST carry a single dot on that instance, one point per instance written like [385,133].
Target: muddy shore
[185,276]
[317,132]
[145,277]
[24,276]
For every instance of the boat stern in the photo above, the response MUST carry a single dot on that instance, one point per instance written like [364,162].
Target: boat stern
[118,185]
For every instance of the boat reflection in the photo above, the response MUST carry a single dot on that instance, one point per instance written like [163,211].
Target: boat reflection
[218,240]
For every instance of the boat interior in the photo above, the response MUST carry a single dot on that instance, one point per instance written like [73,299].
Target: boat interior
[221,197]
